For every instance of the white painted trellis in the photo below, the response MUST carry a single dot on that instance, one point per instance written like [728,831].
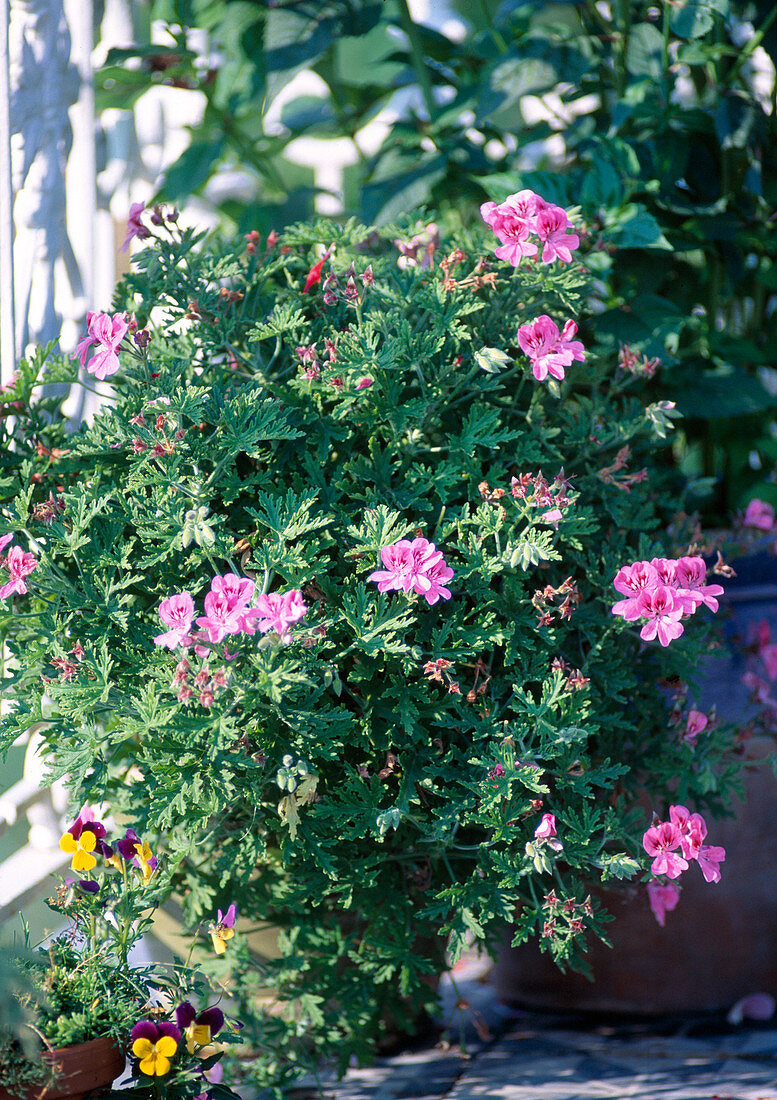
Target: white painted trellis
[57,260]
[41,81]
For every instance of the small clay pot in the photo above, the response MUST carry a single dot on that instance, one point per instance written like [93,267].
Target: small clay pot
[80,1070]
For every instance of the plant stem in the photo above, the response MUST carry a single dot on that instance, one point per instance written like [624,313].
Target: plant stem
[666,76]
[263,165]
[497,36]
[417,55]
[623,19]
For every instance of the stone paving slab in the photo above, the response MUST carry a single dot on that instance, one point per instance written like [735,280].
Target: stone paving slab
[563,1065]
[533,1060]
[486,1051]
[425,1075]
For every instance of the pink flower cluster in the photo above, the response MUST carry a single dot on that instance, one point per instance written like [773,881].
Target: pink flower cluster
[231,607]
[760,516]
[524,215]
[684,831]
[549,350]
[207,682]
[762,648]
[416,566]
[19,564]
[107,333]
[664,591]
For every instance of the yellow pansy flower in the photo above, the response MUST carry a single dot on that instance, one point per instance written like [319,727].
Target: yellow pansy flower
[80,849]
[155,1057]
[145,859]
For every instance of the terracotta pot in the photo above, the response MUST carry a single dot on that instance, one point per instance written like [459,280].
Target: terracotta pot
[79,1069]
[720,943]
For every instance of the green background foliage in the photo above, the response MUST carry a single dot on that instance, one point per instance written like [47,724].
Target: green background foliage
[676,150]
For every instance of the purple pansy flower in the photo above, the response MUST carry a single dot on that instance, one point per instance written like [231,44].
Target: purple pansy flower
[229,918]
[186,1015]
[199,1029]
[88,885]
[127,850]
[224,929]
[147,1029]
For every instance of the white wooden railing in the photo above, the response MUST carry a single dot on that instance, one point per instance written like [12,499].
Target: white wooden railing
[58,234]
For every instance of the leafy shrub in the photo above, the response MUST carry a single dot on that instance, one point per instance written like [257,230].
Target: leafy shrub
[375,761]
[668,121]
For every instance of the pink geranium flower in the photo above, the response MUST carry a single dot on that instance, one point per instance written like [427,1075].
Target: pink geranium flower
[691,575]
[667,571]
[237,590]
[400,567]
[632,581]
[177,612]
[513,221]
[107,333]
[663,612]
[227,609]
[693,829]
[759,515]
[278,612]
[696,723]
[135,227]
[222,616]
[663,898]
[554,230]
[687,831]
[710,857]
[4,540]
[549,350]
[418,566]
[664,590]
[437,575]
[660,841]
[546,832]
[19,565]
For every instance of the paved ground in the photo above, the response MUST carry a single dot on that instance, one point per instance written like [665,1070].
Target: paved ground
[535,1061]
[534,1056]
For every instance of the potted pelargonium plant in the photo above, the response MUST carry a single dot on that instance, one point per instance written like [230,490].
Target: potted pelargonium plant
[323,600]
[92,1008]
